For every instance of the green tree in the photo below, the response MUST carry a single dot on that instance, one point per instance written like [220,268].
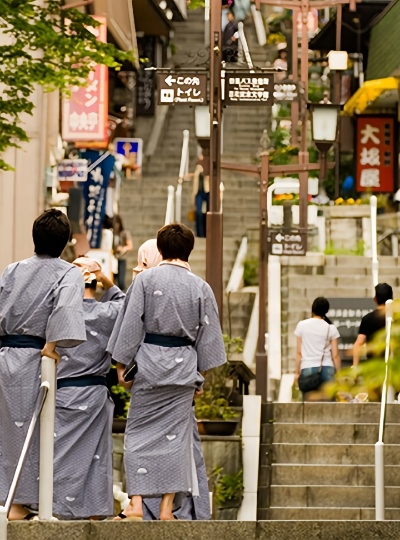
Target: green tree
[48,46]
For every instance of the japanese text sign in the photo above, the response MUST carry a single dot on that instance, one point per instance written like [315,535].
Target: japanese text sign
[101,167]
[375,163]
[72,170]
[346,315]
[292,243]
[186,88]
[85,112]
[249,88]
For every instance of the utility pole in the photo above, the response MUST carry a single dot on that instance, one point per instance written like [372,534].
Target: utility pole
[214,236]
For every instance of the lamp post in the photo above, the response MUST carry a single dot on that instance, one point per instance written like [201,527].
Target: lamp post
[202,130]
[214,238]
[324,125]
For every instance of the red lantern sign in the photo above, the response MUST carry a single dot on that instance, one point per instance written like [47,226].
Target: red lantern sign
[85,113]
[375,162]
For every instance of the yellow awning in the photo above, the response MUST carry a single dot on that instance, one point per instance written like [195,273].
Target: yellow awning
[377,92]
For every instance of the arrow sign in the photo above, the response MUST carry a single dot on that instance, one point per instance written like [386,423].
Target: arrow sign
[170,80]
[279,237]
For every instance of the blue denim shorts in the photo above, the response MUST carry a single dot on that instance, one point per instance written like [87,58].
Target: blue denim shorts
[327,372]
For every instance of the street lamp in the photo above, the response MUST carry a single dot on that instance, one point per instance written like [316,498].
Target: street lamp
[324,124]
[202,130]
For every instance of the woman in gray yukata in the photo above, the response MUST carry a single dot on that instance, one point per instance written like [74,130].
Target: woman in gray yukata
[83,475]
[171,327]
[40,309]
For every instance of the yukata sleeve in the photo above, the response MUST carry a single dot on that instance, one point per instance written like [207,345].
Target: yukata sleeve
[209,345]
[128,332]
[66,324]
[113,294]
[118,323]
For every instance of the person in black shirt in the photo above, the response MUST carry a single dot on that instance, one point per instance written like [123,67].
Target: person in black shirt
[230,36]
[372,322]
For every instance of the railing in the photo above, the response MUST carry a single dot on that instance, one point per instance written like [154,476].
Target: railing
[374,243]
[244,46]
[379,446]
[45,408]
[174,207]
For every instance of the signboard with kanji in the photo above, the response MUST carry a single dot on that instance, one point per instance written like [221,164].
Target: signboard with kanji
[85,113]
[185,88]
[243,88]
[346,315]
[286,91]
[375,155]
[72,170]
[287,243]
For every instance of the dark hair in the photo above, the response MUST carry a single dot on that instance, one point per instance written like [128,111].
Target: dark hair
[175,241]
[92,285]
[51,232]
[383,292]
[320,306]
[118,226]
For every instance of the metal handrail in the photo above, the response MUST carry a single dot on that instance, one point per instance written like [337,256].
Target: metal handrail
[245,47]
[174,208]
[183,170]
[379,446]
[374,247]
[45,408]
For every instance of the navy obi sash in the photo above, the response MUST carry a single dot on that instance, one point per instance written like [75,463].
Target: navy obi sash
[82,381]
[22,342]
[168,341]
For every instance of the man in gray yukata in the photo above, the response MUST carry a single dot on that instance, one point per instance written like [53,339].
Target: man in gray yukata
[83,474]
[171,327]
[40,309]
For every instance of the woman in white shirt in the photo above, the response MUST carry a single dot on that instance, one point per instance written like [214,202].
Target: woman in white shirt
[317,339]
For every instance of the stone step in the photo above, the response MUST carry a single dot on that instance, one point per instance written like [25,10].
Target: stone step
[199,530]
[334,454]
[334,514]
[331,475]
[330,413]
[329,433]
[331,496]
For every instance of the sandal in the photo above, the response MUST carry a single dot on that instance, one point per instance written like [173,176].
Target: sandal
[29,516]
[122,516]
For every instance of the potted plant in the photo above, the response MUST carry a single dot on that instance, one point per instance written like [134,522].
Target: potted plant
[228,489]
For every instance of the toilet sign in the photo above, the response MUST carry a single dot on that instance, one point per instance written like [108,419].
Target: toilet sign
[182,88]
[287,243]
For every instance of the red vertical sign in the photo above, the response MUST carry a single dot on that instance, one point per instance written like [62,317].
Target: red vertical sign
[85,113]
[375,156]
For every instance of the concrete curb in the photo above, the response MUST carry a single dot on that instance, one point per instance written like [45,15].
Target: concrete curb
[223,530]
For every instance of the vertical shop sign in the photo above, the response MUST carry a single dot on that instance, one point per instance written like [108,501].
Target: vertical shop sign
[85,112]
[101,167]
[375,164]
[146,80]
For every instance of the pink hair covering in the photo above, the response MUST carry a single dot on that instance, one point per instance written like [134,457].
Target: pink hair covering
[88,267]
[148,256]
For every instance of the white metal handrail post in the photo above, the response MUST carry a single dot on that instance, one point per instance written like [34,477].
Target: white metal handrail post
[374,243]
[245,47]
[182,171]
[379,446]
[46,463]
[169,214]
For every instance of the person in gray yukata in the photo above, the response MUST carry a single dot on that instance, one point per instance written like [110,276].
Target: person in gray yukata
[40,309]
[83,474]
[171,327]
[185,506]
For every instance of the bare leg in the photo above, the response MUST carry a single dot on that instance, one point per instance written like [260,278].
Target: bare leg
[17,511]
[134,508]
[166,507]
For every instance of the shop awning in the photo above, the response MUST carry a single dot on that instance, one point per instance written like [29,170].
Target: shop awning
[120,23]
[150,18]
[375,94]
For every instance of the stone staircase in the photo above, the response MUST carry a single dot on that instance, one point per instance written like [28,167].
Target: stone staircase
[317,461]
[332,276]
